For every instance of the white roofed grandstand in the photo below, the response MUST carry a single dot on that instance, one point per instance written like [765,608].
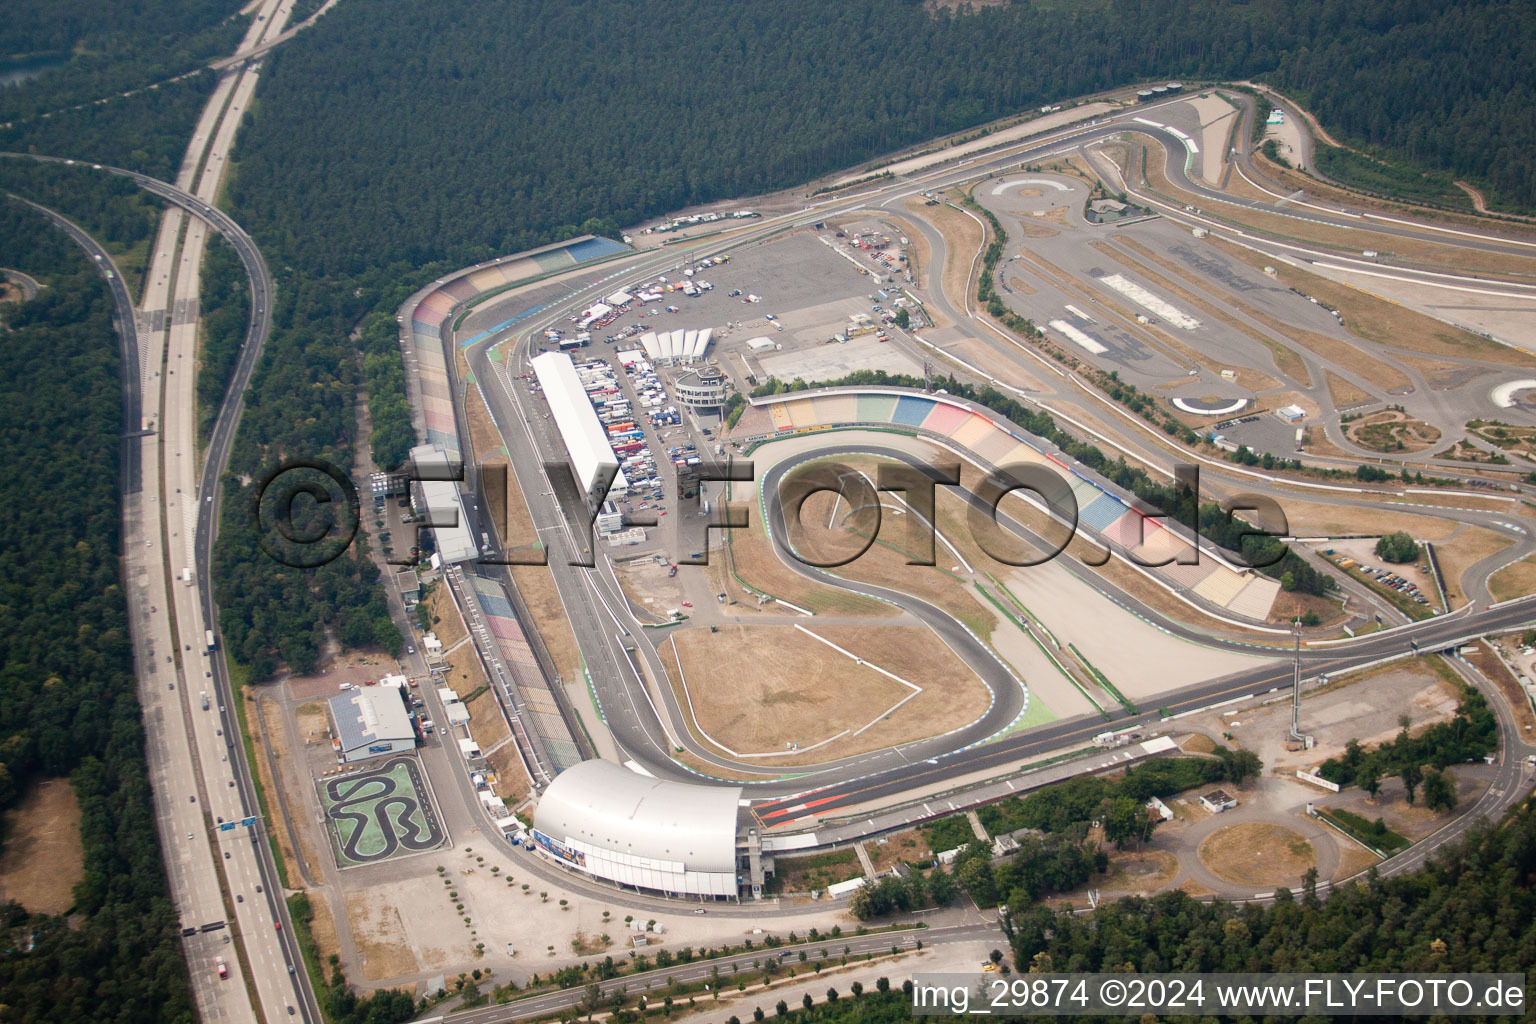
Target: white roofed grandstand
[630,828]
[585,439]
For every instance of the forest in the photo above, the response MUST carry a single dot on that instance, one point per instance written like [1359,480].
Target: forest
[110,48]
[397,130]
[1471,909]
[68,707]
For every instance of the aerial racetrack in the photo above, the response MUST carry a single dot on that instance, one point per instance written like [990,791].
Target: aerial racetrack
[1206,621]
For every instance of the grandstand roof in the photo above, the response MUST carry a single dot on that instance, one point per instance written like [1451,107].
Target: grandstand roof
[584,437]
[608,806]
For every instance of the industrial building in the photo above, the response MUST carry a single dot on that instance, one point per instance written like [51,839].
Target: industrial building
[435,497]
[585,439]
[610,519]
[647,833]
[369,722]
[702,390]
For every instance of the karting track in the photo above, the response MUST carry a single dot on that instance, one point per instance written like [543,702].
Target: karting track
[381,813]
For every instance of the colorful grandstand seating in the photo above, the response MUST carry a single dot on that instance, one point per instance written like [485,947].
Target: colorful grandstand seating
[995,444]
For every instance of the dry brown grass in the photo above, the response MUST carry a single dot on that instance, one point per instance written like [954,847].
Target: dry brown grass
[885,566]
[1431,254]
[380,937]
[755,561]
[293,771]
[1342,391]
[267,728]
[755,689]
[1458,554]
[323,926]
[1019,285]
[1199,743]
[43,858]
[963,239]
[1353,859]
[1257,853]
[447,623]
[1130,871]
[1515,580]
[1383,322]
[900,847]
[464,672]
[1307,518]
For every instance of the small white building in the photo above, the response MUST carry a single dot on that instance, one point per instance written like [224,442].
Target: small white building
[1218,800]
[1291,413]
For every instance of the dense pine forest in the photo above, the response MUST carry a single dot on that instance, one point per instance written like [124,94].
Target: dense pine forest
[89,51]
[399,130]
[67,703]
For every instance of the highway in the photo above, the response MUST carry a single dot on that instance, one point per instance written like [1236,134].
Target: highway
[221,870]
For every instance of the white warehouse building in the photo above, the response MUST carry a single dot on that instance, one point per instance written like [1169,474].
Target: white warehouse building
[585,439]
[639,831]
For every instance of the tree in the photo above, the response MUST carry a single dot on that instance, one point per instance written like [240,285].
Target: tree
[1368,777]
[781,1009]
[941,887]
[1128,821]
[1242,765]
[1439,792]
[1397,547]
[807,1001]
[1411,775]
[903,318]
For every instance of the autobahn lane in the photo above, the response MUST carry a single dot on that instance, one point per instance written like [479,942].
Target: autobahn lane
[128,341]
[249,869]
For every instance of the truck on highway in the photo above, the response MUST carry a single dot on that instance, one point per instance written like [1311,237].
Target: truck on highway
[205,700]
[186,576]
[208,637]
[223,968]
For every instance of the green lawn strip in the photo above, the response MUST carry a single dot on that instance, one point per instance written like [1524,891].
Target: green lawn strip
[1109,687]
[237,683]
[1024,627]
[1375,835]
[1024,608]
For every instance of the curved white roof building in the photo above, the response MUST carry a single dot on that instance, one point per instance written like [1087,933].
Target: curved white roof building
[640,831]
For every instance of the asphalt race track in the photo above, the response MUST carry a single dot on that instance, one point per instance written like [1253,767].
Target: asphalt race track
[376,818]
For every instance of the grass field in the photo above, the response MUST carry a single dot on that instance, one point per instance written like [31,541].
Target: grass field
[963,239]
[42,858]
[1514,581]
[1256,853]
[756,689]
